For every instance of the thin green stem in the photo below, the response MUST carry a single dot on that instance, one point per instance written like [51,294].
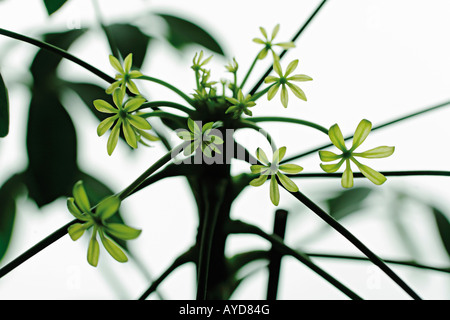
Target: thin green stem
[248,72]
[56,235]
[186,257]
[197,79]
[261,93]
[239,227]
[385,173]
[235,88]
[291,120]
[169,86]
[162,114]
[58,51]
[168,104]
[68,56]
[296,36]
[251,125]
[383,125]
[41,245]
[390,261]
[264,255]
[355,241]
[157,165]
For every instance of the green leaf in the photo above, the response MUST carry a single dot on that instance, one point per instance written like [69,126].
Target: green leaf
[105,125]
[287,183]
[133,104]
[138,122]
[113,138]
[443,226]
[51,138]
[327,156]
[122,231]
[182,33]
[76,231]
[297,91]
[130,39]
[278,155]
[330,168]
[376,153]
[361,133]
[371,174]
[185,135]
[104,106]
[336,137]
[93,251]
[45,63]
[53,5]
[113,249]
[284,96]
[108,207]
[347,177]
[290,168]
[52,149]
[261,155]
[130,135]
[274,191]
[98,191]
[73,209]
[8,194]
[273,91]
[291,67]
[259,181]
[88,93]
[4,109]
[192,125]
[347,202]
[257,168]
[81,197]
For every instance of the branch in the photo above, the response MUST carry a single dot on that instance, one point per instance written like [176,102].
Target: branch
[398,262]
[297,35]
[238,227]
[385,173]
[157,165]
[386,124]
[41,245]
[58,51]
[355,241]
[186,257]
[279,230]
[213,204]
[291,120]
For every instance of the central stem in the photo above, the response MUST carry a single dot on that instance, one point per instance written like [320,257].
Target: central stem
[214,201]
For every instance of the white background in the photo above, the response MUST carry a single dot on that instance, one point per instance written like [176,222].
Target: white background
[369,59]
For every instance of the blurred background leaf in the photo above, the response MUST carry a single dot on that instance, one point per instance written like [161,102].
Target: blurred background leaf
[8,194]
[443,226]
[130,39]
[51,139]
[182,33]
[51,136]
[88,92]
[4,109]
[53,5]
[52,149]
[347,202]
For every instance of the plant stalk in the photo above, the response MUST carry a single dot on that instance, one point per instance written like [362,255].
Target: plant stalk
[355,241]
